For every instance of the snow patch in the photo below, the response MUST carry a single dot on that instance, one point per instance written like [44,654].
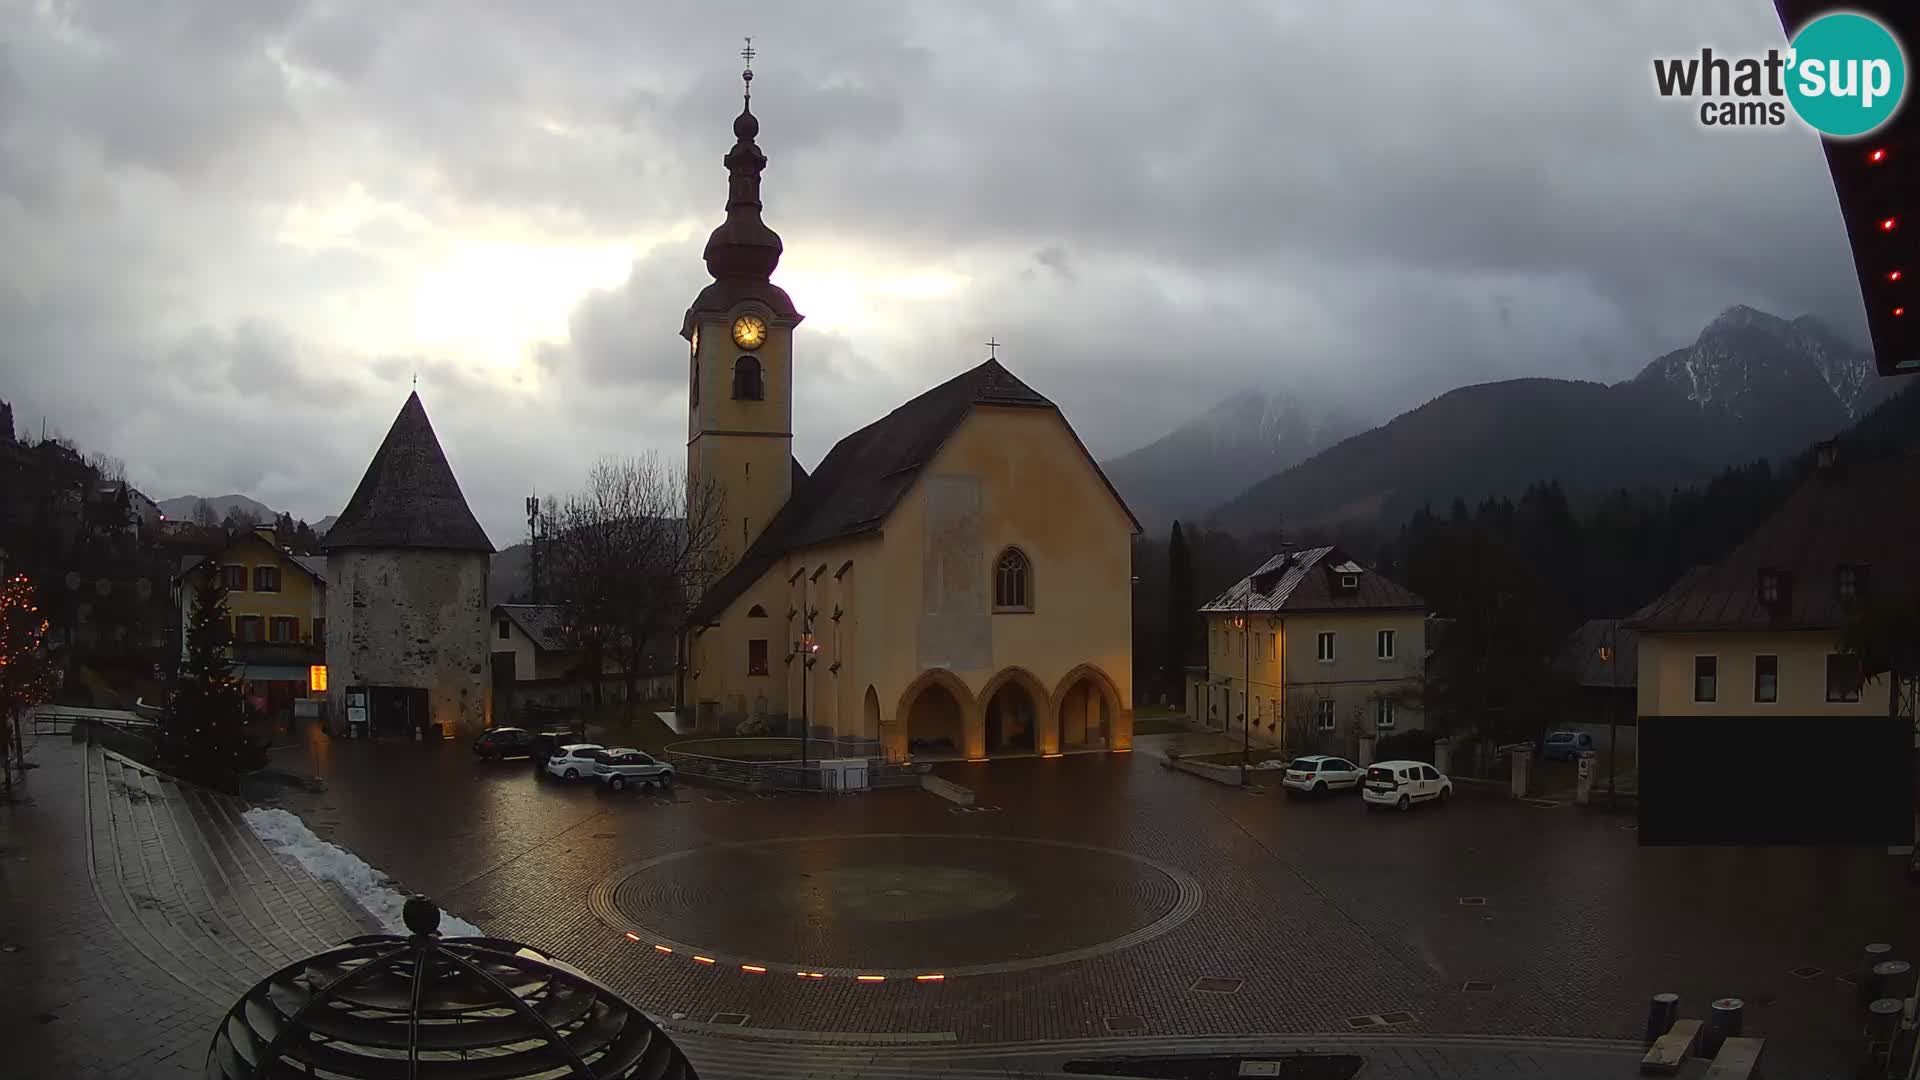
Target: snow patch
[287,836]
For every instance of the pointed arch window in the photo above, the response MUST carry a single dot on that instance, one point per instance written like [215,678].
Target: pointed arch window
[756,612]
[747,384]
[1012,581]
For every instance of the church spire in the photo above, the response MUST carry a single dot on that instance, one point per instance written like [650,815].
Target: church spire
[743,247]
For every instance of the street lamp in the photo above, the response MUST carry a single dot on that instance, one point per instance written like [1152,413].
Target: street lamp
[1608,653]
[807,647]
[1246,691]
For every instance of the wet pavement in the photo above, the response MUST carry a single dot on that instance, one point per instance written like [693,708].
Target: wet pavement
[1481,917]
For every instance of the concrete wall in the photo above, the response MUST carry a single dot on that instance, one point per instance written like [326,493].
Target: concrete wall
[918,599]
[1667,667]
[411,618]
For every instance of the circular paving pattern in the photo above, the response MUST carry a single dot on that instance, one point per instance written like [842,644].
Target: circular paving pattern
[896,905]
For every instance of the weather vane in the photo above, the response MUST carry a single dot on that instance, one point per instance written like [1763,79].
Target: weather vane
[746,76]
[993,349]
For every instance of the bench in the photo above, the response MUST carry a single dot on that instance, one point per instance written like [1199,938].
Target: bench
[1737,1059]
[1671,1050]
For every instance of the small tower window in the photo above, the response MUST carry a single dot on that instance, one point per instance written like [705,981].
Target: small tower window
[746,379]
[1013,582]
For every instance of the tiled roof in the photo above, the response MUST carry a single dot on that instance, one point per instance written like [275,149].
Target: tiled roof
[1306,580]
[1865,514]
[316,565]
[1582,654]
[867,473]
[545,624]
[408,497]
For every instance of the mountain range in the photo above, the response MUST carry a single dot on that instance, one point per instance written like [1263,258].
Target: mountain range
[181,508]
[1751,386]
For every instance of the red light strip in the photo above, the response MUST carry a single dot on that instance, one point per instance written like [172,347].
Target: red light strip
[869,978]
[703,959]
[661,948]
[631,936]
[755,968]
[930,978]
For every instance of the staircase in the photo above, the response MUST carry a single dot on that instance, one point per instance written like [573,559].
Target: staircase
[192,889]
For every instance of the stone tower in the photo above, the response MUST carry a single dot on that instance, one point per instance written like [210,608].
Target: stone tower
[740,358]
[407,594]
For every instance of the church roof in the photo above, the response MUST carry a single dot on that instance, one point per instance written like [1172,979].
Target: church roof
[408,497]
[867,473]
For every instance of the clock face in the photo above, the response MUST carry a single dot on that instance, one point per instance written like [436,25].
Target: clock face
[749,331]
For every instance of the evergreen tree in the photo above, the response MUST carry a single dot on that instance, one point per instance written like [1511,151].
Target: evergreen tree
[202,734]
[1182,622]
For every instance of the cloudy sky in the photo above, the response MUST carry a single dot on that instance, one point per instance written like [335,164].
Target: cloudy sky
[237,229]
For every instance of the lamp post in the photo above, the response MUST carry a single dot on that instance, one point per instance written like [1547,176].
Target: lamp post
[1246,690]
[1609,656]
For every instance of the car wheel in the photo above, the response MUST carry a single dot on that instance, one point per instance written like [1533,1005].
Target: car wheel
[1446,791]
[573,774]
[666,779]
[618,783]
[1403,804]
[1320,789]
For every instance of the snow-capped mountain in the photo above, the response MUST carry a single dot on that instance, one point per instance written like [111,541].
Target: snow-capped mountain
[1751,366]
[1247,436]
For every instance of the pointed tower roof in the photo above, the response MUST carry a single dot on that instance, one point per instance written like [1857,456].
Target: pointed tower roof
[409,498]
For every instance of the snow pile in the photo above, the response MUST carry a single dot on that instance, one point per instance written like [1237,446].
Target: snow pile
[286,835]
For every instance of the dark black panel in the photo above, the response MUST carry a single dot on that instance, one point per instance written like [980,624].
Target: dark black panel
[1765,780]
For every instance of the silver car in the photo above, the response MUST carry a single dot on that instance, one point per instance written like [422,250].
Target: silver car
[624,765]
[573,761]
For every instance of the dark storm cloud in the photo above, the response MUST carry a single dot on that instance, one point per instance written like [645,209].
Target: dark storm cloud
[1364,205]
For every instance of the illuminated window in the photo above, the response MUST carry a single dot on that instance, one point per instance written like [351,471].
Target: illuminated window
[1013,582]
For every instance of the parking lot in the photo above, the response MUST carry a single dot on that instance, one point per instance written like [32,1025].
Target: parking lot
[1091,895]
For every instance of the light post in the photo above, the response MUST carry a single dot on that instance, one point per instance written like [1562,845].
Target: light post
[1608,656]
[1246,690]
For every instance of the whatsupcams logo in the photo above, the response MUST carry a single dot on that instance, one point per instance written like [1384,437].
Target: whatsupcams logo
[1843,75]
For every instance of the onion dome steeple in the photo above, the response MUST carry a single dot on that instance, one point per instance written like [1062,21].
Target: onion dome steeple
[743,246]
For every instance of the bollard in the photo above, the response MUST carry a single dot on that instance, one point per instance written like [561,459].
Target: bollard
[1863,980]
[1723,1022]
[1883,1020]
[1892,978]
[1661,1013]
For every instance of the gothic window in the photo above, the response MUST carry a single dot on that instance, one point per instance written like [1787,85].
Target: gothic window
[756,612]
[746,379]
[1013,582]
[757,656]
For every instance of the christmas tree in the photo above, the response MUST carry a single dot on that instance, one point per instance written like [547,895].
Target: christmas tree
[202,733]
[27,674]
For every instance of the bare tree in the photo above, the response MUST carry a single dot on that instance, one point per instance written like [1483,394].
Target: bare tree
[627,555]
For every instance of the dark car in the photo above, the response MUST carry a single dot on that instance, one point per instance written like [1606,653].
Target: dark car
[504,742]
[546,742]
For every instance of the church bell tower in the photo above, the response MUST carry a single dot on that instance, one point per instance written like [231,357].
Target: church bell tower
[739,332]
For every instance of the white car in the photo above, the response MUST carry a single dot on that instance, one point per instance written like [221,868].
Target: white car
[624,765]
[1319,774]
[1400,784]
[573,761]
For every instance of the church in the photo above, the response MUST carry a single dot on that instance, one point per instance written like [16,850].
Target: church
[952,580]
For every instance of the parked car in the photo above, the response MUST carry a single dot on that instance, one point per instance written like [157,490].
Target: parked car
[624,765]
[546,742]
[1566,745]
[1400,784]
[573,761]
[1319,774]
[503,742]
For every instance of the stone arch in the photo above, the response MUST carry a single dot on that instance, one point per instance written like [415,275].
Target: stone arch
[958,725]
[870,714]
[1013,726]
[1089,711]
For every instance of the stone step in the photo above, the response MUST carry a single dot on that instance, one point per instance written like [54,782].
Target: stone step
[247,868]
[206,894]
[237,906]
[325,910]
[177,886]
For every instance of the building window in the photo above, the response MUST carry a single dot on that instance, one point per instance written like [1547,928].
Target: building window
[1324,647]
[235,577]
[504,632]
[1850,581]
[249,628]
[1383,644]
[282,630]
[1383,717]
[747,385]
[1843,678]
[1323,714]
[266,579]
[1706,678]
[756,612]
[1770,587]
[757,656]
[320,635]
[1766,678]
[1013,582]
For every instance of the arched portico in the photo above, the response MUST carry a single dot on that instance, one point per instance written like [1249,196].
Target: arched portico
[936,716]
[1089,712]
[1017,713]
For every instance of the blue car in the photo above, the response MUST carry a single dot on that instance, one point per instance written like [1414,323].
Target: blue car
[1566,745]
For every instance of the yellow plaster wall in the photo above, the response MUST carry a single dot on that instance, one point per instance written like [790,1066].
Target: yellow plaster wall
[745,446]
[1665,680]
[300,596]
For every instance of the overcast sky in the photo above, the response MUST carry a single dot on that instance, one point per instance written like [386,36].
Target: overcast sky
[237,229]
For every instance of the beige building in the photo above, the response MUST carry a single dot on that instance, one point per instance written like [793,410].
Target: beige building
[952,579]
[1316,649]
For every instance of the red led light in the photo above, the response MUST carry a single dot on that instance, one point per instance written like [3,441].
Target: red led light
[1888,224]
[631,936]
[1878,156]
[1893,275]
[1899,311]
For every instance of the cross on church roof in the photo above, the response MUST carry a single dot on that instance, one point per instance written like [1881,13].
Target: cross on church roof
[993,349]
[746,76]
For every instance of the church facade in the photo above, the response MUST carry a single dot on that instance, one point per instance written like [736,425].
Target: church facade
[954,579]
